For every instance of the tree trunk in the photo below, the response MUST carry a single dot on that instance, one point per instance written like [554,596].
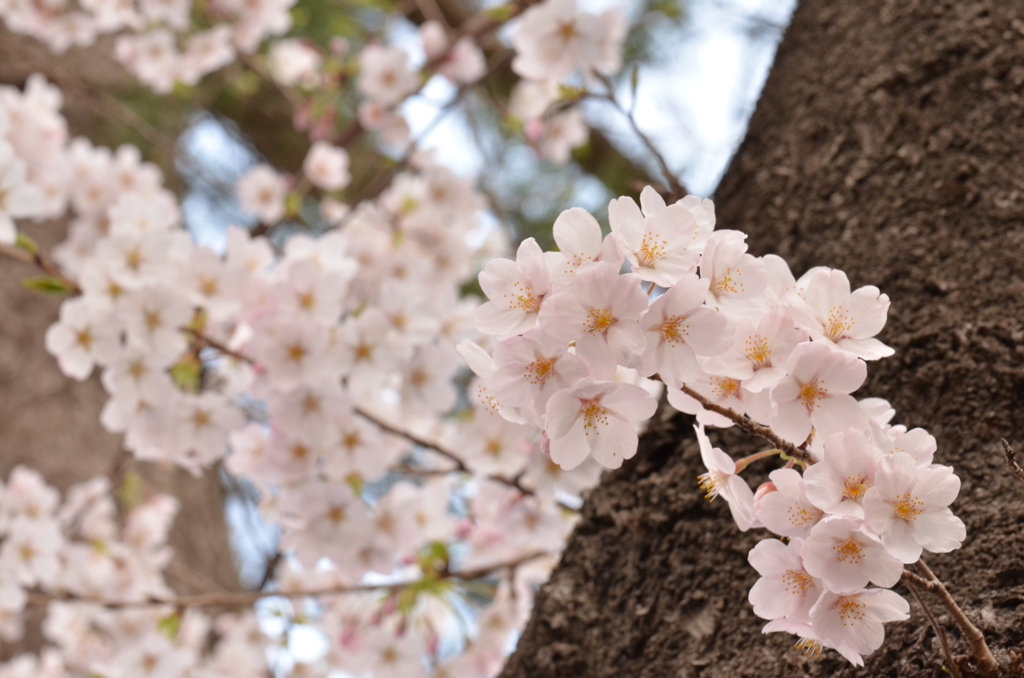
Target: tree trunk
[887,143]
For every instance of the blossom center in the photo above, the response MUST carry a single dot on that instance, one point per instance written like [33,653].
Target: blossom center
[723,387]
[809,646]
[758,352]
[651,249]
[540,370]
[855,486]
[522,298]
[811,393]
[727,283]
[674,330]
[599,320]
[796,582]
[593,416]
[839,322]
[851,611]
[909,508]
[849,551]
[711,482]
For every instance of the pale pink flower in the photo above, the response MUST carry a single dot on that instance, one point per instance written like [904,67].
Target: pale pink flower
[830,312]
[384,74]
[787,511]
[785,589]
[721,480]
[516,290]
[596,419]
[85,336]
[656,243]
[557,135]
[837,483]
[294,62]
[494,446]
[326,166]
[852,622]
[846,556]
[816,393]
[531,368]
[18,198]
[908,507]
[579,240]
[464,64]
[736,278]
[758,354]
[555,39]
[262,191]
[678,328]
[601,314]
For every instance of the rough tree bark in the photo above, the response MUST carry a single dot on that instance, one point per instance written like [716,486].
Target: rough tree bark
[887,143]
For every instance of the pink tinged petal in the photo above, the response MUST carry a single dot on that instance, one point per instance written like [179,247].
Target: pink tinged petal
[530,260]
[598,355]
[563,316]
[836,413]
[630,402]
[8,233]
[937,486]
[763,379]
[572,448]
[612,441]
[476,357]
[886,606]
[710,332]
[578,235]
[741,501]
[772,557]
[866,349]
[675,365]
[869,308]
[900,543]
[627,221]
[846,374]
[791,420]
[768,600]
[562,413]
[735,365]
[651,201]
[939,531]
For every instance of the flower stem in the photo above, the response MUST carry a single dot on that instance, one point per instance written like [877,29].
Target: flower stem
[987,664]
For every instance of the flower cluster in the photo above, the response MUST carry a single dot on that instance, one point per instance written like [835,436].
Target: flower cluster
[734,338]
[314,372]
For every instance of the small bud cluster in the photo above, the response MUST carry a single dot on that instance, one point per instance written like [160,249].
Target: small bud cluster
[740,335]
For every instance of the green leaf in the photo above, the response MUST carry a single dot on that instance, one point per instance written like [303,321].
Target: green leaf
[129,494]
[169,625]
[45,284]
[26,243]
[634,81]
[188,374]
[501,12]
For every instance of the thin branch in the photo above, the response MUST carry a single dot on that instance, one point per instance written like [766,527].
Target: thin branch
[750,426]
[987,664]
[246,598]
[939,631]
[1011,461]
[675,187]
[42,263]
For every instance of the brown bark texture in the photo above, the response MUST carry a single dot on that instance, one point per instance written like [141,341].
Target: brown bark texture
[887,143]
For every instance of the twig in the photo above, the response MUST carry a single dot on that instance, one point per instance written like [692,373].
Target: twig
[987,664]
[249,597]
[42,263]
[750,426]
[1011,460]
[675,187]
[939,631]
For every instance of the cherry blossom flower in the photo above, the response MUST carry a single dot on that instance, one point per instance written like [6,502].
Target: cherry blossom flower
[846,556]
[579,240]
[596,418]
[785,589]
[721,480]
[758,355]
[853,620]
[326,166]
[531,368]
[384,74]
[838,482]
[736,278]
[293,62]
[555,39]
[601,314]
[516,290]
[816,391]
[656,244]
[678,328]
[84,336]
[787,511]
[908,508]
[261,191]
[18,198]
[830,312]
